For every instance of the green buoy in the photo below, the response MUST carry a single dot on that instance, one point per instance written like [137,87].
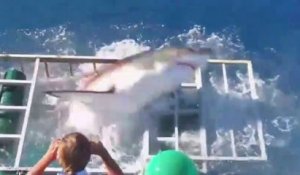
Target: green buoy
[171,162]
[11,95]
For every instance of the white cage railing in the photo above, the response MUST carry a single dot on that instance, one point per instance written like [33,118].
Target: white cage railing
[203,158]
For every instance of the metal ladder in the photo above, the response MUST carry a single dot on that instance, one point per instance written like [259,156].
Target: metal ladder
[21,137]
[37,59]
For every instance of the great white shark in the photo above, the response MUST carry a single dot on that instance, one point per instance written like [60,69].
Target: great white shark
[147,61]
[125,87]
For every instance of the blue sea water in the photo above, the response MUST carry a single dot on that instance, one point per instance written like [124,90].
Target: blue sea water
[267,30]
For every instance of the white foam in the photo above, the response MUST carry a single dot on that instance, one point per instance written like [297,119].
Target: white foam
[268,92]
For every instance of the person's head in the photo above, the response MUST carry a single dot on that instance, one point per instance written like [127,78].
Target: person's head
[73,152]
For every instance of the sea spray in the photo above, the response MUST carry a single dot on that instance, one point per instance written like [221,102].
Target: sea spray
[43,119]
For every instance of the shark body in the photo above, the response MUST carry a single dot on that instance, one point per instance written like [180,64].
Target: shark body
[124,88]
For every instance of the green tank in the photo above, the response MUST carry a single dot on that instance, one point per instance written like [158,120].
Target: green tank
[11,95]
[171,162]
[7,173]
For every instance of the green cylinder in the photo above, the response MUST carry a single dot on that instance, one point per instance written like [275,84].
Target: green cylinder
[7,173]
[171,162]
[11,95]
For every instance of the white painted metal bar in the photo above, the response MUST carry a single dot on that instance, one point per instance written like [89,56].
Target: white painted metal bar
[229,158]
[188,85]
[146,144]
[12,108]
[262,144]
[10,136]
[259,124]
[261,140]
[202,131]
[176,115]
[166,139]
[43,57]
[27,112]
[226,88]
[252,81]
[95,59]
[232,141]
[216,158]
[198,78]
[223,158]
[15,82]
[58,58]
[229,61]
[203,148]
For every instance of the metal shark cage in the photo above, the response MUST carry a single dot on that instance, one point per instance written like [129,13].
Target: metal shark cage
[203,158]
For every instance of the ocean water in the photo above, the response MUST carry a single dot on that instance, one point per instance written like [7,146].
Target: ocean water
[264,31]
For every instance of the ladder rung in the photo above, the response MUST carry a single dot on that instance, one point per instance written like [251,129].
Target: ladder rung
[166,139]
[13,169]
[13,108]
[188,85]
[15,82]
[10,136]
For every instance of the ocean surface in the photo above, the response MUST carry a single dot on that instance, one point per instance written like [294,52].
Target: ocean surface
[264,31]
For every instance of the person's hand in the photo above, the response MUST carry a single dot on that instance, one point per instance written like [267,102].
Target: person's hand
[97,148]
[46,160]
[52,150]
[112,167]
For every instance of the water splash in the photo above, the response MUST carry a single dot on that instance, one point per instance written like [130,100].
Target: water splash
[55,40]
[60,41]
